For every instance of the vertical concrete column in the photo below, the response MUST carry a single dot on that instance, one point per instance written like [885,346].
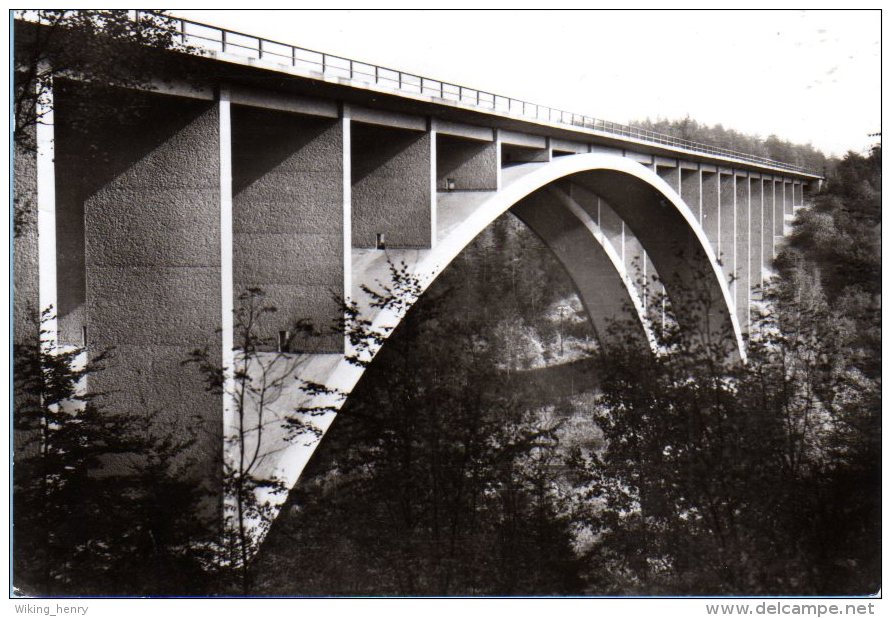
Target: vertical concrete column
[727,252]
[347,204]
[756,236]
[46,215]
[153,265]
[797,196]
[499,155]
[779,211]
[711,208]
[635,259]
[743,289]
[431,132]
[691,191]
[391,186]
[767,252]
[788,199]
[227,282]
[612,226]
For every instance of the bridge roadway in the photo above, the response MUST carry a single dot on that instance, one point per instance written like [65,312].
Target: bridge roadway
[243,173]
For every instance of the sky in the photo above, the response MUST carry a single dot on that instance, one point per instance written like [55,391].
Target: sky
[806,76]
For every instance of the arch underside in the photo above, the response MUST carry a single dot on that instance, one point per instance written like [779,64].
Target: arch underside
[573,204]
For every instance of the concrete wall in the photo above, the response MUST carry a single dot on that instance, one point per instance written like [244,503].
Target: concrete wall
[26,283]
[288,195]
[788,198]
[391,188]
[472,164]
[671,175]
[152,239]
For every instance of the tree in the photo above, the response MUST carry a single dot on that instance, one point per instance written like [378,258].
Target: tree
[262,369]
[756,478]
[101,504]
[107,48]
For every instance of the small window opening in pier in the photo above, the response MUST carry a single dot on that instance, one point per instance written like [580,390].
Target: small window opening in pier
[450,184]
[380,243]
[83,336]
[283,337]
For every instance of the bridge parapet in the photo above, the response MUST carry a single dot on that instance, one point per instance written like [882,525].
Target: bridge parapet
[228,45]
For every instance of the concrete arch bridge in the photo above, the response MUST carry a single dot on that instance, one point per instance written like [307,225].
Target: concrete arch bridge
[263,165]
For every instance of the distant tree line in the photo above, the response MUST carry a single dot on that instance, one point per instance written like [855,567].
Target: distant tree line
[772,147]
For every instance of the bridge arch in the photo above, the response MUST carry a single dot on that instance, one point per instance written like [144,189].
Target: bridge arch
[542,196]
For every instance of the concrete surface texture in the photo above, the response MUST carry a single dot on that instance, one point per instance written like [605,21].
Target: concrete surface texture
[288,194]
[152,262]
[391,188]
[25,264]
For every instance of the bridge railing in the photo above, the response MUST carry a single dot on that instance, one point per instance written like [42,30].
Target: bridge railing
[213,38]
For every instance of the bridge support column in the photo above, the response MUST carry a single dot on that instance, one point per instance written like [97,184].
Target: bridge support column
[26,242]
[788,199]
[289,222]
[756,237]
[711,208]
[779,213]
[767,214]
[46,215]
[393,201]
[743,284]
[727,219]
[153,248]
[691,191]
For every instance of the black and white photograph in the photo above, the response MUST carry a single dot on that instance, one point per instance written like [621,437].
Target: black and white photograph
[445,304]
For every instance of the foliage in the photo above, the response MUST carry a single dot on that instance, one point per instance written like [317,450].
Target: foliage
[262,369]
[101,504]
[104,46]
[760,478]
